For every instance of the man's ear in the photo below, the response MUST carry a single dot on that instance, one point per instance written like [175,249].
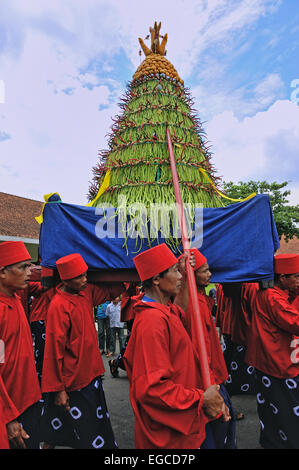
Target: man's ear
[2,271]
[156,280]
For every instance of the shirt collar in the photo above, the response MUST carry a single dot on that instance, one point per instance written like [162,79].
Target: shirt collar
[7,299]
[284,292]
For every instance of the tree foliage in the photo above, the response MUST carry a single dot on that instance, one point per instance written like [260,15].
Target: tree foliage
[286,216]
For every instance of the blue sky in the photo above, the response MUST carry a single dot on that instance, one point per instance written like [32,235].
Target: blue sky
[64,67]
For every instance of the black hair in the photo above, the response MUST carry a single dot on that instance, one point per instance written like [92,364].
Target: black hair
[148,283]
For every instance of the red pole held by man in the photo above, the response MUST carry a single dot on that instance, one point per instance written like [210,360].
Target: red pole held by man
[197,324]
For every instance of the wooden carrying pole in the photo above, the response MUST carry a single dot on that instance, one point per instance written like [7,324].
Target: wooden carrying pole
[197,321]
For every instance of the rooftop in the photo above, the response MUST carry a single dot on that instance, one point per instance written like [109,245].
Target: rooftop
[17,217]
[292,246]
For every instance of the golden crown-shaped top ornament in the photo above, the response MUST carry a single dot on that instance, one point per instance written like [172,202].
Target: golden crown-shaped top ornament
[155,61]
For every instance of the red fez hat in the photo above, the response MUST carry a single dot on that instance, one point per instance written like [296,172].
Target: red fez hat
[286,263]
[200,259]
[47,272]
[154,261]
[12,253]
[71,266]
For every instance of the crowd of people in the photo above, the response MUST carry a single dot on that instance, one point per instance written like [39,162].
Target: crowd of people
[51,365]
[110,326]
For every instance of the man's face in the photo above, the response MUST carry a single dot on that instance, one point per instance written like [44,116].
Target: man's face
[171,282]
[203,276]
[77,284]
[290,281]
[16,276]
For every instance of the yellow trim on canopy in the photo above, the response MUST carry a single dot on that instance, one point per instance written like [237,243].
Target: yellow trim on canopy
[102,189]
[40,218]
[221,194]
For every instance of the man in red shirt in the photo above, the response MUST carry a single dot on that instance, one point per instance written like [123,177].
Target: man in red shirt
[38,314]
[33,289]
[8,423]
[233,316]
[75,412]
[18,368]
[275,324]
[126,315]
[221,433]
[170,406]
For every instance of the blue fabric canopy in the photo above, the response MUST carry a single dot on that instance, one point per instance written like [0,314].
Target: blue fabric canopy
[239,240]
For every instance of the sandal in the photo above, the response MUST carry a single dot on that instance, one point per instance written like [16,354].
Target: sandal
[113,368]
[240,416]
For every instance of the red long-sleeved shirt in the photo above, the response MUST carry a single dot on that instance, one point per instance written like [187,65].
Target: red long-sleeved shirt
[295,302]
[165,388]
[223,311]
[275,323]
[8,413]
[18,369]
[33,289]
[40,305]
[127,304]
[234,313]
[217,364]
[72,357]
[242,313]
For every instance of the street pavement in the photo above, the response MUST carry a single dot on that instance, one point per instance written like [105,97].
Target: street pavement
[122,418]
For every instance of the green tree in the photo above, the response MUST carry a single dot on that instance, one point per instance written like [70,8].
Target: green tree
[286,216]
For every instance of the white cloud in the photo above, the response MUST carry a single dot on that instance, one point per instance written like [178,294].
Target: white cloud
[270,87]
[92,27]
[55,137]
[262,147]
[211,99]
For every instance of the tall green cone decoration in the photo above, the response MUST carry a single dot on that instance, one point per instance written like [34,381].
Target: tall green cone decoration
[136,166]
